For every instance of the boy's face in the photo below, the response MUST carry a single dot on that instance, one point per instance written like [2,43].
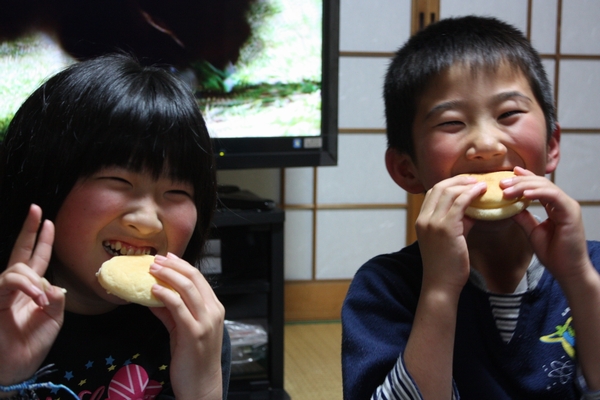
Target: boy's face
[483,121]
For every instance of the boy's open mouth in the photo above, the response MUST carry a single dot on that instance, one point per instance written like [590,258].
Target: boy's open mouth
[118,248]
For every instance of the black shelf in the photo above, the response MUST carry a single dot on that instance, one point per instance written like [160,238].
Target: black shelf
[235,287]
[250,286]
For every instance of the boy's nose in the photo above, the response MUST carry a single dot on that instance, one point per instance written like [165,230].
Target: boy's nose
[485,143]
[144,218]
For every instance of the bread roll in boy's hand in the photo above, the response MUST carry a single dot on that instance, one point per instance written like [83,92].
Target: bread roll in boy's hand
[492,205]
[129,278]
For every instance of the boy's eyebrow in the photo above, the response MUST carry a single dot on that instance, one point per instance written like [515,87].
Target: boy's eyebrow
[509,95]
[498,98]
[446,105]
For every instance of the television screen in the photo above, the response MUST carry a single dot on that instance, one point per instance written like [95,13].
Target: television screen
[264,71]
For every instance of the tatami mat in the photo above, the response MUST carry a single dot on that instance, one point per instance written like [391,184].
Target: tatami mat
[312,369]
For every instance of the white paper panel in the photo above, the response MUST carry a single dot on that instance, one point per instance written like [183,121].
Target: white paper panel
[579,94]
[348,238]
[543,25]
[374,25]
[360,92]
[298,248]
[299,184]
[512,11]
[577,172]
[361,176]
[591,221]
[580,34]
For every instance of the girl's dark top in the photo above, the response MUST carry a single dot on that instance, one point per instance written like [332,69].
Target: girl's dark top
[123,354]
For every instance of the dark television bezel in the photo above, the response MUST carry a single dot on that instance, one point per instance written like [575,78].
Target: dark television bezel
[280,152]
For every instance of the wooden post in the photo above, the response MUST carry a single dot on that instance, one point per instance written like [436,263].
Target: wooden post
[424,12]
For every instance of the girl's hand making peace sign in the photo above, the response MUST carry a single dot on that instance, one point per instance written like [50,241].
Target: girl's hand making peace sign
[31,309]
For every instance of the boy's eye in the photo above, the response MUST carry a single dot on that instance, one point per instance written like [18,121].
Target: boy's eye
[449,123]
[450,126]
[510,114]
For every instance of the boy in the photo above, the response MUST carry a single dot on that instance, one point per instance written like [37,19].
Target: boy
[474,309]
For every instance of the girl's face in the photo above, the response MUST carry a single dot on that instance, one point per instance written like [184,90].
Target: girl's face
[117,211]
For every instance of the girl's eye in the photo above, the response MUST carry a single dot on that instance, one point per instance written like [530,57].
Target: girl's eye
[117,180]
[180,192]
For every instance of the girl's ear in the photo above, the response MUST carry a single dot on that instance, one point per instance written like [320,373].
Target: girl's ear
[403,171]
[553,154]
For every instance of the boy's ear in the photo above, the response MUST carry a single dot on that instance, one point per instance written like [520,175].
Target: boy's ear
[553,154]
[403,171]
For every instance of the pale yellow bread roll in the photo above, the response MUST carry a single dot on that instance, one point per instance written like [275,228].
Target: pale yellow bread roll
[128,277]
[492,205]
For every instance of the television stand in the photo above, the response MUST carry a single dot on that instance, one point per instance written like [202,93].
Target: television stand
[233,198]
[248,281]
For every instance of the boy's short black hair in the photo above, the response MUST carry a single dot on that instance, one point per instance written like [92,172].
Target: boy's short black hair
[479,43]
[108,111]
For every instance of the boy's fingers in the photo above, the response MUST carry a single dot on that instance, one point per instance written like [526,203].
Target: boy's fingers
[527,221]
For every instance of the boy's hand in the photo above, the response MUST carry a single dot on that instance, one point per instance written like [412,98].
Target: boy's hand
[195,322]
[31,310]
[560,244]
[559,241]
[442,229]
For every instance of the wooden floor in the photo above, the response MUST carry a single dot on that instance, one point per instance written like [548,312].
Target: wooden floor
[312,369]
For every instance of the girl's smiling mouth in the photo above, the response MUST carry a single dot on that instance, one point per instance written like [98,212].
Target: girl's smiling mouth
[118,248]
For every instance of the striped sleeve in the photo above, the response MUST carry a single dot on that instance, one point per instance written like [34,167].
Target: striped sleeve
[399,385]
[583,388]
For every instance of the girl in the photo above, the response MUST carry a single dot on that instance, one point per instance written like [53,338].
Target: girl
[118,159]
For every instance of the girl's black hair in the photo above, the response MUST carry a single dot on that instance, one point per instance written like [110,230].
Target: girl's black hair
[108,111]
[473,41]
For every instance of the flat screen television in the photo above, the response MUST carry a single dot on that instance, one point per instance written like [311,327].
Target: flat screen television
[265,72]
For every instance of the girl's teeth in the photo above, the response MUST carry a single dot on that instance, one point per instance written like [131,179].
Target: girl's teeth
[118,248]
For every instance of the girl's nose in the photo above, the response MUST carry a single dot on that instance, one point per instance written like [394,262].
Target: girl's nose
[485,143]
[144,218]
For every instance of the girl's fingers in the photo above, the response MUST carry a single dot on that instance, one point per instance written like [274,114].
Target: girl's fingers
[25,242]
[43,250]
[201,284]
[20,278]
[196,294]
[33,249]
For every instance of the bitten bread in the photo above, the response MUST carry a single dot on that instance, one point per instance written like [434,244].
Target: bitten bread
[492,205]
[128,277]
